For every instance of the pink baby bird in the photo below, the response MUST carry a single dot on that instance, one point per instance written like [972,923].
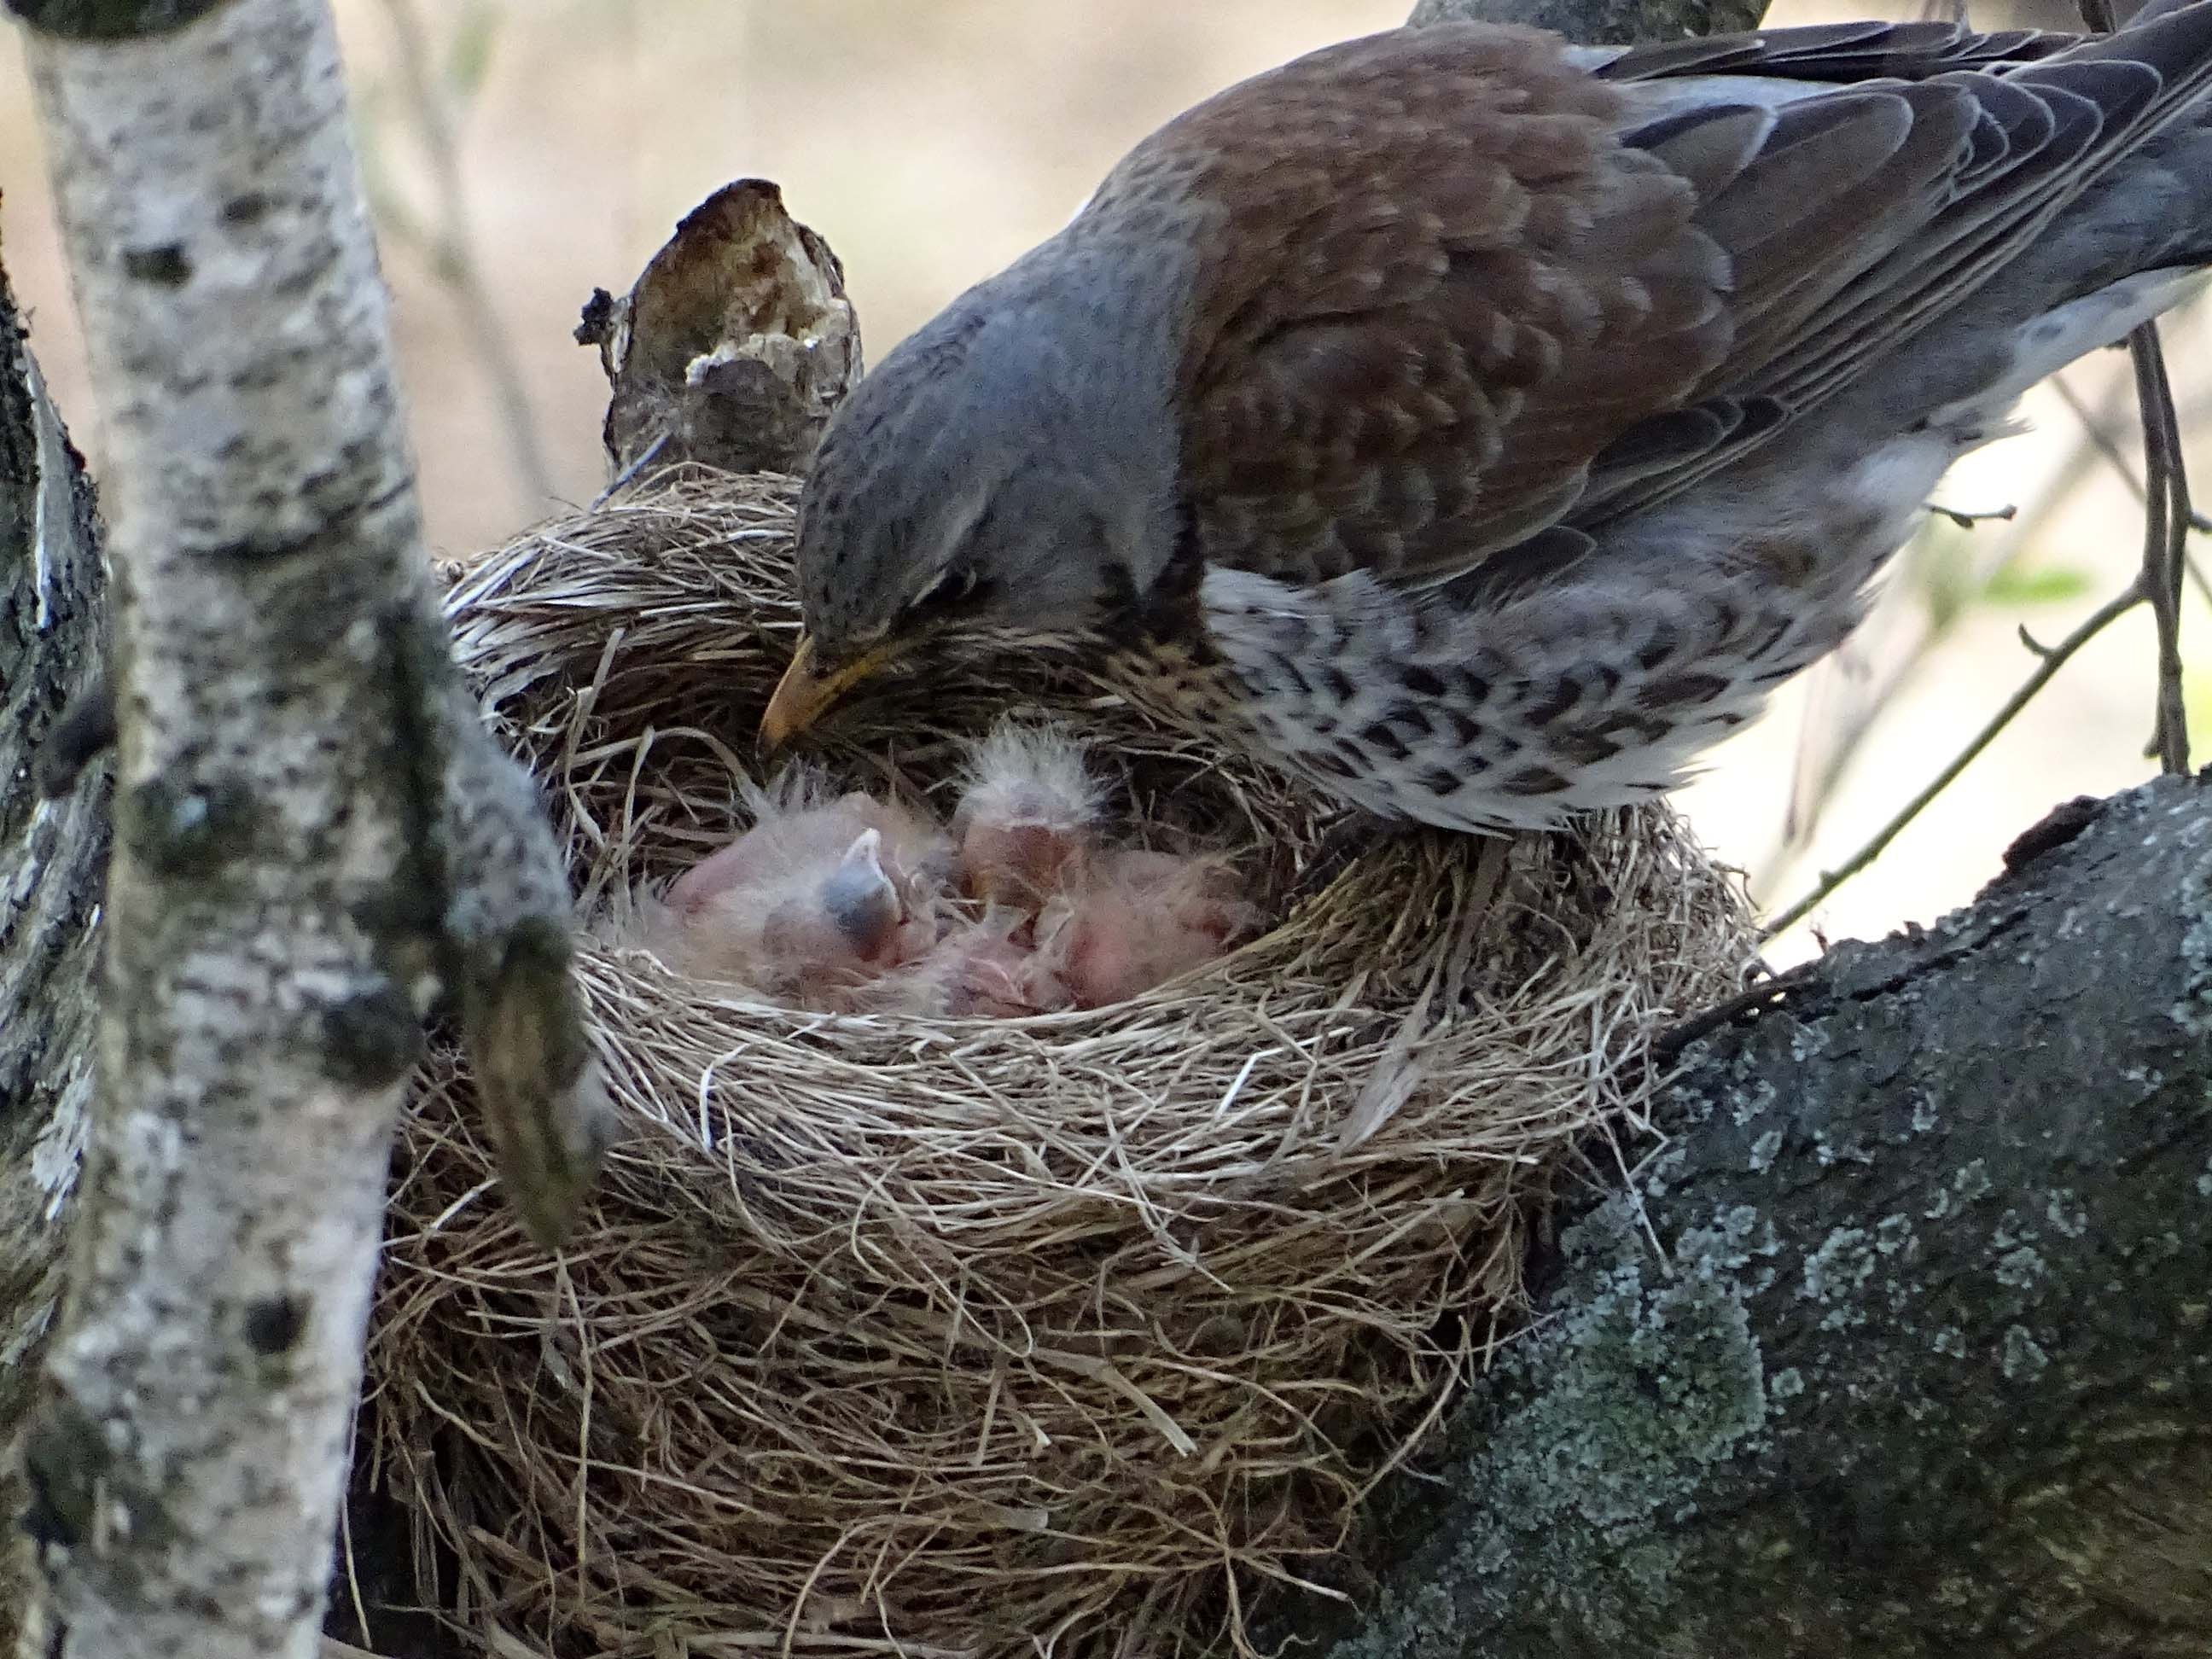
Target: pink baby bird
[981,969]
[813,904]
[1027,816]
[1138,920]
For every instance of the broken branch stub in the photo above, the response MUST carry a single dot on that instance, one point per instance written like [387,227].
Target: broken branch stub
[734,346]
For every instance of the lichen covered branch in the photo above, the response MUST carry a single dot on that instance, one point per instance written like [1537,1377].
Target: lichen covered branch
[1923,1368]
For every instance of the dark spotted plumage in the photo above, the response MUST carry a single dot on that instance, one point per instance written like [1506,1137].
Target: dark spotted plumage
[1479,425]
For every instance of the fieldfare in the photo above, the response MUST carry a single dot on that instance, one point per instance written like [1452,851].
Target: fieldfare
[1478,425]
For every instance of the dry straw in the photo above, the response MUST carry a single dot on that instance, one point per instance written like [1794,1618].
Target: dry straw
[1063,1336]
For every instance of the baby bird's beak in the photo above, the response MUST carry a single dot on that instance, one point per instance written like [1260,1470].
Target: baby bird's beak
[861,899]
[805,693]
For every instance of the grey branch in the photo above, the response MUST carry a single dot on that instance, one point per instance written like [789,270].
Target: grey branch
[1925,1366]
[733,345]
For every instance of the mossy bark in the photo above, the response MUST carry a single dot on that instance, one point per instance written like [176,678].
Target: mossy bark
[1922,1362]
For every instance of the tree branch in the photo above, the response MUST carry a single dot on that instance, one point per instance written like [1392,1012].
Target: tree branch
[1600,22]
[733,345]
[2049,660]
[452,251]
[1923,1369]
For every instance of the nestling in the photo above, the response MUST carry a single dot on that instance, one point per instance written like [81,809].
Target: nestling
[981,968]
[1027,815]
[1479,426]
[1105,923]
[856,905]
[812,905]
[1134,919]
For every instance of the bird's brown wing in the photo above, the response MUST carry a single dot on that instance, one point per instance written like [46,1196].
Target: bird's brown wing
[1458,291]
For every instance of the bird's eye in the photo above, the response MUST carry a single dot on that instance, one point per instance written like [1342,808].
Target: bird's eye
[948,589]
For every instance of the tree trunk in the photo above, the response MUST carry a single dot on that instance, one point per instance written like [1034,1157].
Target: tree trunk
[53,855]
[313,837]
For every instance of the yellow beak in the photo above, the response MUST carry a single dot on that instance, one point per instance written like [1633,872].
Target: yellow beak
[805,694]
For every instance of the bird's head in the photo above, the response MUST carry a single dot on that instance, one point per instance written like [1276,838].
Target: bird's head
[1005,479]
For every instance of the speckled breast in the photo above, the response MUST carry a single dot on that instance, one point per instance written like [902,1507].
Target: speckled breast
[1170,680]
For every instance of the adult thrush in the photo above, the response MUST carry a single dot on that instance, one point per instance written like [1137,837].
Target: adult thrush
[1479,425]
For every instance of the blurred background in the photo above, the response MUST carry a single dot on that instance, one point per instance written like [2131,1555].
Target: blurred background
[519,152]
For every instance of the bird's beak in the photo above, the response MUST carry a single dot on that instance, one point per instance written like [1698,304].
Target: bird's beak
[805,694]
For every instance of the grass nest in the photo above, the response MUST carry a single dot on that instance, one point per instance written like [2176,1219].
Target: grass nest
[1062,1335]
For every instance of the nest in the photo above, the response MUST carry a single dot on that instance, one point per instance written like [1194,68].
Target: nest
[1062,1335]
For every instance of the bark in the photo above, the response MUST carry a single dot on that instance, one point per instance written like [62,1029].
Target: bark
[733,347]
[1921,1363]
[313,838]
[52,853]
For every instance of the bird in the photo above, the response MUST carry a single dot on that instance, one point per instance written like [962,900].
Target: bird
[1028,814]
[1092,925]
[1133,919]
[1476,426]
[811,906]
[984,966]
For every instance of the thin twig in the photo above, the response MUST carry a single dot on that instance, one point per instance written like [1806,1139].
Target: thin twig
[1891,657]
[1671,1042]
[2165,535]
[2052,659]
[2104,443]
[2167,516]
[452,256]
[628,475]
[1966,519]
[1888,650]
[2107,446]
